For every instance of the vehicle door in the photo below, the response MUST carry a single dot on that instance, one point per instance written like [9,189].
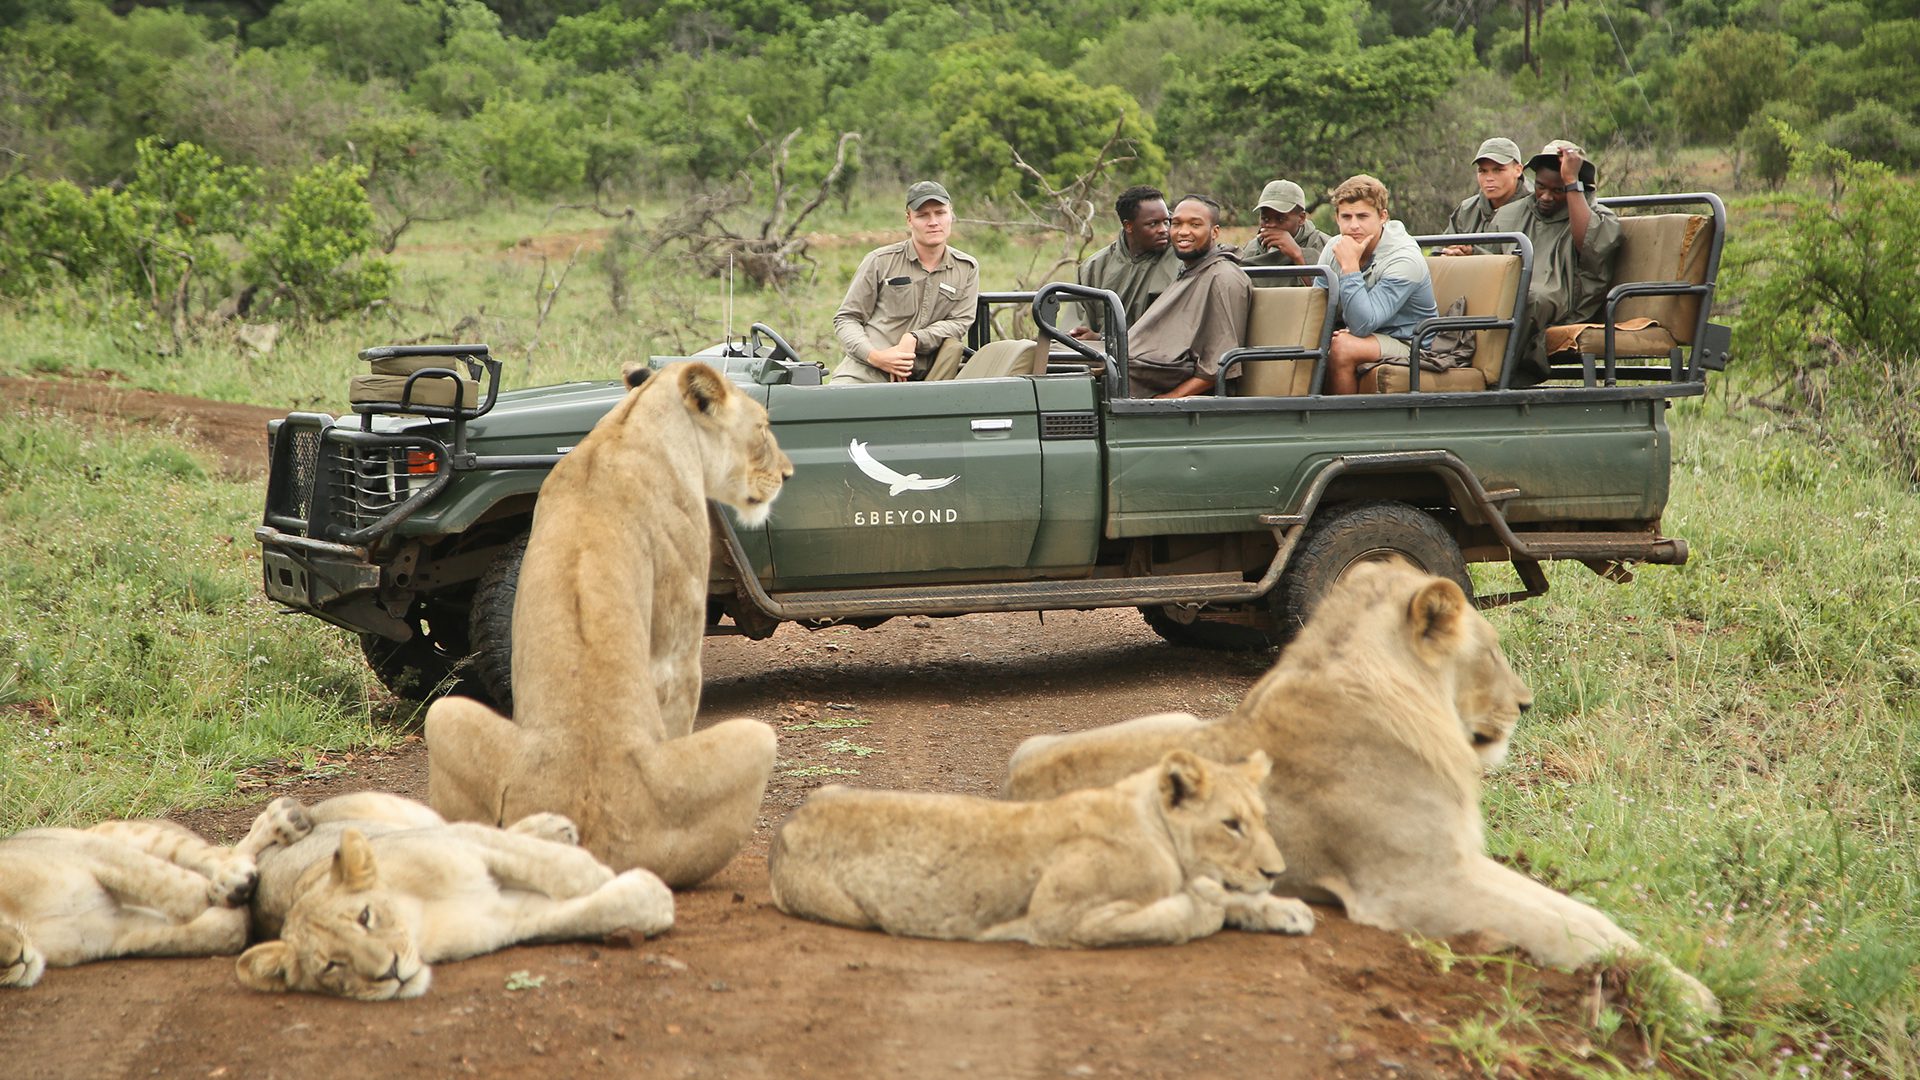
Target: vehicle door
[905,481]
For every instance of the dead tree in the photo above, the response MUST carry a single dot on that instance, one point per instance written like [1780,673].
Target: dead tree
[776,253]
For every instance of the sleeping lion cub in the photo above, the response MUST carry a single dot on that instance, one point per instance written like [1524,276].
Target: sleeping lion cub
[1164,856]
[1379,718]
[608,620]
[121,888]
[382,886]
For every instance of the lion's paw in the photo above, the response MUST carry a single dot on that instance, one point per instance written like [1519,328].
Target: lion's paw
[21,965]
[645,902]
[1270,914]
[548,826]
[231,883]
[1210,891]
[287,819]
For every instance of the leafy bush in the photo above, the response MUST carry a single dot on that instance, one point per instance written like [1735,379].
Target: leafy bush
[307,256]
[1875,130]
[1056,123]
[1767,140]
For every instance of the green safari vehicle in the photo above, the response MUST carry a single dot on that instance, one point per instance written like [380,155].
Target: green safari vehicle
[1221,518]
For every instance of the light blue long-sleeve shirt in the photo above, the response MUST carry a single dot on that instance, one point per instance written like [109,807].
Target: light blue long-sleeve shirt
[1392,293]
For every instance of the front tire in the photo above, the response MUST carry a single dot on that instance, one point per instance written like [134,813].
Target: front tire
[490,624]
[427,664]
[1341,537]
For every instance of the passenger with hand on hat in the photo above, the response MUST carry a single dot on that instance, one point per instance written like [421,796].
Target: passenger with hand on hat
[907,313]
[1502,179]
[1286,236]
[1575,244]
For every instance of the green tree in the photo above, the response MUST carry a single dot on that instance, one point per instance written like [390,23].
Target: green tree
[1267,106]
[1768,139]
[1053,121]
[357,38]
[1876,131]
[1725,76]
[311,258]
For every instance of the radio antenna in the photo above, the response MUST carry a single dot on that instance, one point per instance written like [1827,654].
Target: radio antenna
[726,333]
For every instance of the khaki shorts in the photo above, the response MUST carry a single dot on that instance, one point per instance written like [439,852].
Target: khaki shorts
[1392,348]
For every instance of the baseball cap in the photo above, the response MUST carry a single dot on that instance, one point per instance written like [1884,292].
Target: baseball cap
[1281,196]
[1500,150]
[1549,158]
[926,191]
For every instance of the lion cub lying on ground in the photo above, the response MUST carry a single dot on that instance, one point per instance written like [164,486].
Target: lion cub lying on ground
[1373,716]
[380,886]
[121,888]
[1165,856]
[608,620]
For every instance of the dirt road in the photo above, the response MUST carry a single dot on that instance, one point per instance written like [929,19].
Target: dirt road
[738,990]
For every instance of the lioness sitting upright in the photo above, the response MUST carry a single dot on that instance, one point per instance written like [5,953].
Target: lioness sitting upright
[1162,857]
[1373,717]
[607,628]
[120,888]
[375,887]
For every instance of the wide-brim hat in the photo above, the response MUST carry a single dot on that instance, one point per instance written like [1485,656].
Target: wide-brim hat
[1549,158]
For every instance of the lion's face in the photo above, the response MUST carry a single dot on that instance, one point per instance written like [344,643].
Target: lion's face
[744,466]
[344,937]
[1488,695]
[1218,820]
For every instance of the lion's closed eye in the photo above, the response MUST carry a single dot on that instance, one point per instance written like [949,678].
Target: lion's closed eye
[366,917]
[1234,826]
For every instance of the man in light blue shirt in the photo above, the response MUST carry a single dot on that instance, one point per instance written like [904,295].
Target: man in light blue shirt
[1384,287]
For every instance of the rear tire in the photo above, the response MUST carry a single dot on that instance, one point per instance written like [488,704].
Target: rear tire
[490,624]
[1342,537]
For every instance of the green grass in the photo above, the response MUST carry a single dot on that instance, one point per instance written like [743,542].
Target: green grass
[140,668]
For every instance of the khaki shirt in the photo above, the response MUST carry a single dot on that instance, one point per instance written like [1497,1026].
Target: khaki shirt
[1200,316]
[1475,213]
[892,294]
[1568,285]
[1312,243]
[1138,279]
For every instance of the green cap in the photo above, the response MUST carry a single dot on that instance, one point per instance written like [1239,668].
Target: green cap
[1281,196]
[1500,150]
[926,191]
[1549,158]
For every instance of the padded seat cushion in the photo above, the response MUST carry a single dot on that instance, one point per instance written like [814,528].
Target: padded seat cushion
[1664,247]
[1008,356]
[407,365]
[1489,284]
[366,389]
[1392,379]
[1282,317]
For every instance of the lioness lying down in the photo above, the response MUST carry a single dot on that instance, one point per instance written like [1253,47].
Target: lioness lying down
[380,886]
[120,888]
[607,626]
[1164,856]
[1373,716]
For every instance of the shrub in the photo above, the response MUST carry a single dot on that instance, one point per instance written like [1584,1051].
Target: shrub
[306,257]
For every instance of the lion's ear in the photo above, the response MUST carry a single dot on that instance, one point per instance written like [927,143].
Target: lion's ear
[634,372]
[1258,765]
[1436,614]
[353,865]
[267,966]
[1183,777]
[705,389]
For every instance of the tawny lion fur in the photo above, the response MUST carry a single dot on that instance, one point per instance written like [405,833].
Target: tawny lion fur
[120,888]
[1164,856]
[1373,716]
[374,888]
[607,629]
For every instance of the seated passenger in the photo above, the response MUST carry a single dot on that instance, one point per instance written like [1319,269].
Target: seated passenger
[1501,177]
[907,313]
[1575,244]
[1286,236]
[1384,288]
[1174,350]
[1138,266]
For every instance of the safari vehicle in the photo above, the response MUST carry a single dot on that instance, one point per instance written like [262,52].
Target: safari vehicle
[1033,482]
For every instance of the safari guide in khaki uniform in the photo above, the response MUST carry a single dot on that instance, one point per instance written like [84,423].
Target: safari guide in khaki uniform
[908,310]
